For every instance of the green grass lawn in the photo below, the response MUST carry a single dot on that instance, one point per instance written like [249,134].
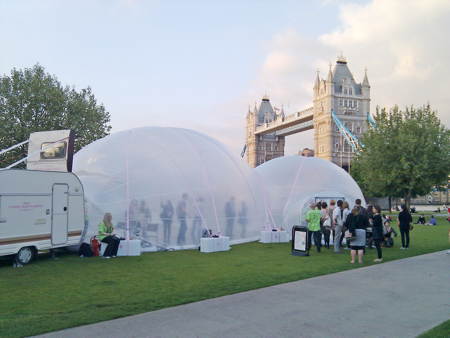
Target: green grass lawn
[48,294]
[440,331]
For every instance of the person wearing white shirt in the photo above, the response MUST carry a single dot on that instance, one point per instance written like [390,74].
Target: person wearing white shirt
[339,216]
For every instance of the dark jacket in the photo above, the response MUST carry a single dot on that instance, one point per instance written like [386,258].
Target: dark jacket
[405,219]
[358,222]
[377,227]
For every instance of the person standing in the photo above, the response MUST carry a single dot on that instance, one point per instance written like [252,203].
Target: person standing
[404,221]
[313,219]
[197,222]
[230,215]
[369,235]
[346,215]
[362,210]
[243,218]
[182,214]
[332,207]
[377,232]
[166,216]
[330,214]
[105,235]
[357,227]
[338,222]
[325,221]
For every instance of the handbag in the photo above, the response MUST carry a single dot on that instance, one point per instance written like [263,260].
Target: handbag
[348,235]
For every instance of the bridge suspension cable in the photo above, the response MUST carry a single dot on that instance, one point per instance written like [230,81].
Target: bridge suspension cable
[351,139]
[371,120]
[243,150]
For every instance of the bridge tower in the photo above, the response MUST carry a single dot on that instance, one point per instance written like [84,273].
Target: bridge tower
[351,103]
[262,148]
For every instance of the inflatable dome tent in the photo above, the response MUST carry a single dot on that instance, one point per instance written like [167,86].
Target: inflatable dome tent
[167,186]
[293,182]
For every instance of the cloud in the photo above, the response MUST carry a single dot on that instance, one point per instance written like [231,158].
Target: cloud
[403,44]
[290,67]
[405,48]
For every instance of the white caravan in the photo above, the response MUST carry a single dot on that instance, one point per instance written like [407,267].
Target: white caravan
[41,210]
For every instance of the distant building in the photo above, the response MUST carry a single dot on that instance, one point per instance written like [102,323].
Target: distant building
[351,103]
[338,93]
[263,148]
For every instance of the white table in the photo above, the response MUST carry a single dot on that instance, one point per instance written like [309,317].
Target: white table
[131,247]
[274,237]
[214,244]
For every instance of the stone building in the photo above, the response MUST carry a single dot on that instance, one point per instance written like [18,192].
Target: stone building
[262,148]
[338,93]
[351,103]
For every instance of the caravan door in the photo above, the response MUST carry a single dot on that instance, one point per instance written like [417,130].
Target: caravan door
[60,199]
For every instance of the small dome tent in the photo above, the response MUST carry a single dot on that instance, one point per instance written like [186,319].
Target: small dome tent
[293,182]
[166,186]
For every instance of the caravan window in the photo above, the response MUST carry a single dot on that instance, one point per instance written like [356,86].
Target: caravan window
[50,150]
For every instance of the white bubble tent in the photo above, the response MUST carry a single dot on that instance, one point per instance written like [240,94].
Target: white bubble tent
[292,183]
[166,186]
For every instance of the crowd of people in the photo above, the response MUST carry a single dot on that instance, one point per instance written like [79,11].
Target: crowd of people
[354,229]
[360,227]
[190,214]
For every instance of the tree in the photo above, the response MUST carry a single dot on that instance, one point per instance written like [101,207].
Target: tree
[32,100]
[405,155]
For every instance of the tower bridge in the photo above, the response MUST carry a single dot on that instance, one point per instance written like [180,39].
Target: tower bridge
[340,109]
[288,125]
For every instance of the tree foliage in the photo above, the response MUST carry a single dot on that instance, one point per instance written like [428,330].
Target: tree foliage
[32,100]
[405,155]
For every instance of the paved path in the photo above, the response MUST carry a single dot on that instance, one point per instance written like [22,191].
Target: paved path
[396,299]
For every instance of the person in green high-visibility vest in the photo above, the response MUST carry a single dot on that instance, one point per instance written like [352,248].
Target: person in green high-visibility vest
[105,235]
[313,219]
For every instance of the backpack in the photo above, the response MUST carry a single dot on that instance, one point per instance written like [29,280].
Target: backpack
[85,250]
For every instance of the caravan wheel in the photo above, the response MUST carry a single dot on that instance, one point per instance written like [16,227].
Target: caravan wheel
[25,255]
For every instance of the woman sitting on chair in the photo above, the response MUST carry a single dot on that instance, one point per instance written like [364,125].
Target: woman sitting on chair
[105,230]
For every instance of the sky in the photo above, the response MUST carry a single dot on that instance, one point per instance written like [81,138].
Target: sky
[200,64]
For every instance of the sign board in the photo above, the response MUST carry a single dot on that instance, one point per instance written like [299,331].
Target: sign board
[300,241]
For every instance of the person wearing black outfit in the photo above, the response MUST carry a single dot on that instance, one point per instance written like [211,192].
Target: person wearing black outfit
[358,224]
[369,231]
[421,220]
[404,221]
[377,232]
